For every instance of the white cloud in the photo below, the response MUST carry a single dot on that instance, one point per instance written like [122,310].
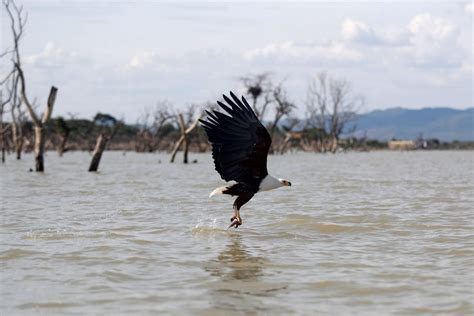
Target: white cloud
[432,49]
[361,33]
[357,31]
[50,54]
[469,7]
[141,60]
[335,51]
[434,41]
[54,59]
[427,27]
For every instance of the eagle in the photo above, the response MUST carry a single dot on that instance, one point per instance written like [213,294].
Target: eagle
[240,145]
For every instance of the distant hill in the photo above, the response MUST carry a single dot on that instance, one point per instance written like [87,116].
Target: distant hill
[445,124]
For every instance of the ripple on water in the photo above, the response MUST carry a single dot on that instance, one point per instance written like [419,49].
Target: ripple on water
[211,227]
[304,222]
[16,253]
[62,233]
[46,305]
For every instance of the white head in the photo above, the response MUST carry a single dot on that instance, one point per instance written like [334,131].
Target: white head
[270,183]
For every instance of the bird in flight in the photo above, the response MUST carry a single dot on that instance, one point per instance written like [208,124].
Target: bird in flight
[240,145]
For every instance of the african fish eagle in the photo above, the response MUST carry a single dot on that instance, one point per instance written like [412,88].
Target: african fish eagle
[240,145]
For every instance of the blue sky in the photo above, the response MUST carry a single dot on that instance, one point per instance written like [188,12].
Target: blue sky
[122,56]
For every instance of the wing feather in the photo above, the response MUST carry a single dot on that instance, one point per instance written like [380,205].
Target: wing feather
[240,142]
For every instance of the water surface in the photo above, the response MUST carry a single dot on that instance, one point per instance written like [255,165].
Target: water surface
[357,233]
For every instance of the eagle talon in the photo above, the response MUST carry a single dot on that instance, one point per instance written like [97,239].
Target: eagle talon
[235,222]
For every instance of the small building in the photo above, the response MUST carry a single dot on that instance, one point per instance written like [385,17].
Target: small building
[401,145]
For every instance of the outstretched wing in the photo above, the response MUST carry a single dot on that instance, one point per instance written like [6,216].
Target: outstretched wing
[240,142]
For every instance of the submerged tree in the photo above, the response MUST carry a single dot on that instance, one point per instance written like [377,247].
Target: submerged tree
[63,130]
[18,115]
[292,138]
[3,103]
[3,127]
[153,126]
[108,126]
[330,106]
[282,107]
[187,122]
[17,22]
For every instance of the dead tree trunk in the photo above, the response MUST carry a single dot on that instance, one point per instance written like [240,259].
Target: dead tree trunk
[183,138]
[39,148]
[104,137]
[333,144]
[3,129]
[62,146]
[176,148]
[99,149]
[17,137]
[37,123]
[16,116]
[38,127]
[4,140]
[64,130]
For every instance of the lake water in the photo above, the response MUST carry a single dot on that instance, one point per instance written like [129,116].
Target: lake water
[357,233]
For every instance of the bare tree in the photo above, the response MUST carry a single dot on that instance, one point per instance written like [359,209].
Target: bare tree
[291,136]
[3,102]
[3,128]
[268,98]
[64,131]
[144,140]
[186,126]
[330,106]
[282,106]
[259,88]
[152,124]
[17,22]
[18,116]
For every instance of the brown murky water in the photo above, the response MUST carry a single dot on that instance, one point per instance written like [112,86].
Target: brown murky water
[357,233]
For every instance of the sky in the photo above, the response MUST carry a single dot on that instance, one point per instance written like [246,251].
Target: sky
[120,57]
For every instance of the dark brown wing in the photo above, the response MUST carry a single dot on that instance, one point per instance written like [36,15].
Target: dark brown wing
[240,142]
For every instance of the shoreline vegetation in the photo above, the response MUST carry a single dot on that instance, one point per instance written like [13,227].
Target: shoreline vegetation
[63,135]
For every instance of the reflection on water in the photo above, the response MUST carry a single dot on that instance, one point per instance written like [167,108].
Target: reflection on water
[357,233]
[236,263]
[239,283]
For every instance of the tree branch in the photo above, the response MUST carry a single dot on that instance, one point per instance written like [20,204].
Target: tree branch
[49,107]
[24,98]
